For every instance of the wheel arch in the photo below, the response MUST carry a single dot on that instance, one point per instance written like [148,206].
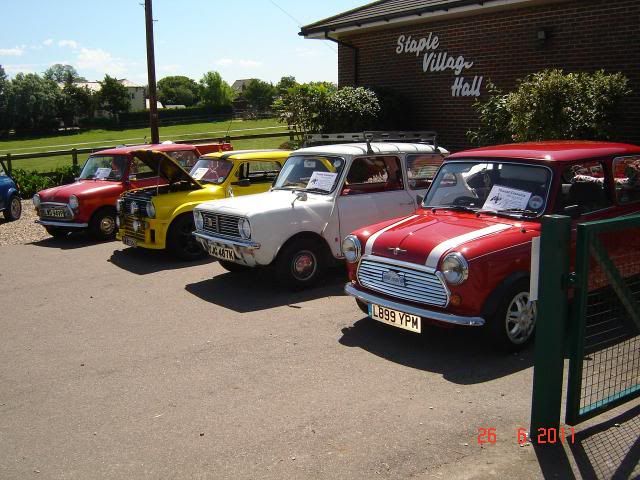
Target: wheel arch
[493,301]
[306,235]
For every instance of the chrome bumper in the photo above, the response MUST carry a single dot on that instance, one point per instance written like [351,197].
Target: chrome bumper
[238,242]
[53,223]
[368,298]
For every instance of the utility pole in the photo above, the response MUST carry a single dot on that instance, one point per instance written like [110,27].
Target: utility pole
[151,74]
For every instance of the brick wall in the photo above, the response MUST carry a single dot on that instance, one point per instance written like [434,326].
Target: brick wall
[584,35]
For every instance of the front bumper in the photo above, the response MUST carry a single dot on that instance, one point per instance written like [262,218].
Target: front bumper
[435,315]
[55,223]
[151,235]
[244,249]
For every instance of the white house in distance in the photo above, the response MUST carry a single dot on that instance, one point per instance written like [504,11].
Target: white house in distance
[136,94]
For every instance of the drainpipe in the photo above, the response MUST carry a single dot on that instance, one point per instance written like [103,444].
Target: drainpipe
[355,54]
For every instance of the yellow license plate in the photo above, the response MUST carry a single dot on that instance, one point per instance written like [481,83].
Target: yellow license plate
[223,253]
[395,318]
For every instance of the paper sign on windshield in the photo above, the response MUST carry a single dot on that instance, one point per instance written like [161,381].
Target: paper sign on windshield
[503,198]
[199,173]
[322,180]
[103,173]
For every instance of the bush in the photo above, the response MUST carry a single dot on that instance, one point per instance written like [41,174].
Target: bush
[351,110]
[552,105]
[32,182]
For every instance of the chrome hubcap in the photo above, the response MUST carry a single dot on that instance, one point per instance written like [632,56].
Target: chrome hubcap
[107,225]
[520,319]
[16,208]
[304,265]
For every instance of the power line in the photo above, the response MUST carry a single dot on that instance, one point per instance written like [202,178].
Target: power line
[299,24]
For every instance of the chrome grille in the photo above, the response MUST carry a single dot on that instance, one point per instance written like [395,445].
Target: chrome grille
[58,207]
[226,225]
[419,286]
[127,227]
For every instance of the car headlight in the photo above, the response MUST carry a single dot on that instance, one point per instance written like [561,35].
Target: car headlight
[119,205]
[455,268]
[73,202]
[351,248]
[198,220]
[133,208]
[151,210]
[36,200]
[245,228]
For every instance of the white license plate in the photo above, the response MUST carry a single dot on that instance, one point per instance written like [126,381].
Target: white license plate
[224,253]
[129,241]
[53,212]
[395,318]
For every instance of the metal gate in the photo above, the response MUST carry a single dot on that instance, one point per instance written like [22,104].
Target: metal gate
[590,315]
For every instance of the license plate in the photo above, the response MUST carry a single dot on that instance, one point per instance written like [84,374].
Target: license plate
[395,318]
[53,212]
[131,242]
[224,253]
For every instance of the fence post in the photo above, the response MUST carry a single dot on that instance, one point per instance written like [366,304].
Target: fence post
[9,166]
[74,157]
[552,314]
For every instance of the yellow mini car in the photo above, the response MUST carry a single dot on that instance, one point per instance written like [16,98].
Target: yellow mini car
[160,216]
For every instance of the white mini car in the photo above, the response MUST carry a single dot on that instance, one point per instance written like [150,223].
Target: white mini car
[321,195]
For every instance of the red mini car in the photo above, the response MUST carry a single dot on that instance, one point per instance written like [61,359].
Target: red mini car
[89,203]
[463,258]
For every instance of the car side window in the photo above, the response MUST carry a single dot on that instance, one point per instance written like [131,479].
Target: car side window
[139,170]
[373,174]
[263,171]
[421,169]
[584,185]
[626,178]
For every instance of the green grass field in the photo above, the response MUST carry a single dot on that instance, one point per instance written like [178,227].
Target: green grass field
[98,138]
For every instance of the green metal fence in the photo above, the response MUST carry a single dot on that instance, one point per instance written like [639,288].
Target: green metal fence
[590,314]
[604,345]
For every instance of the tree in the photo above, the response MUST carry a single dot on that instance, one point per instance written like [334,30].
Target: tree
[113,96]
[5,94]
[285,84]
[214,91]
[33,103]
[259,95]
[178,90]
[63,74]
[75,102]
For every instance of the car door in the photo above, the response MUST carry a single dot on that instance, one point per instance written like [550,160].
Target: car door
[373,190]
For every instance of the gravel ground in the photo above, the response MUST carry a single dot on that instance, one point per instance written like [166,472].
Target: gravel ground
[24,230]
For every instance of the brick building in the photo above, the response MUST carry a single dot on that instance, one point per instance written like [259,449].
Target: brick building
[440,54]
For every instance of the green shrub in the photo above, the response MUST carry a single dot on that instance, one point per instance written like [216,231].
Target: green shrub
[32,182]
[552,105]
[351,109]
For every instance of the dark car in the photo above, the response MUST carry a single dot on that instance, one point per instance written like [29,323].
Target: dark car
[10,203]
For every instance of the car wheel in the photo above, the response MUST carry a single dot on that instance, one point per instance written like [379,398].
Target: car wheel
[300,264]
[180,241]
[103,224]
[57,232]
[232,266]
[14,209]
[513,325]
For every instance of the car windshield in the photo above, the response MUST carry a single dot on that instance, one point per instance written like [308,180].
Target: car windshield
[104,167]
[211,170]
[310,173]
[499,187]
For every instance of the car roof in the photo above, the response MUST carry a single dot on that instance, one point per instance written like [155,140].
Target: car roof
[376,147]
[159,147]
[264,154]
[551,151]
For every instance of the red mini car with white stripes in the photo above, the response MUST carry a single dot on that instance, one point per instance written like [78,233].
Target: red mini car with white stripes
[464,256]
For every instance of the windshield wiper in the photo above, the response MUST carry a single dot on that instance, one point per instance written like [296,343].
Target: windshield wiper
[316,190]
[522,211]
[457,208]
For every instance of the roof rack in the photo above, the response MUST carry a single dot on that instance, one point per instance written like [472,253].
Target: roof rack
[419,136]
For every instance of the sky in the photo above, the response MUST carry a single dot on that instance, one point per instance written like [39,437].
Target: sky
[241,39]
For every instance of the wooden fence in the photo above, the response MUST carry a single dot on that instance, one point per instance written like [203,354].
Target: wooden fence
[9,158]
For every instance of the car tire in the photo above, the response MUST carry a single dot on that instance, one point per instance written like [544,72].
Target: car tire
[103,224]
[14,209]
[57,232]
[300,264]
[180,241]
[512,326]
[232,266]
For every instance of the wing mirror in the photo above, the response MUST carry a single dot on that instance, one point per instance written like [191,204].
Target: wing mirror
[573,211]
[243,182]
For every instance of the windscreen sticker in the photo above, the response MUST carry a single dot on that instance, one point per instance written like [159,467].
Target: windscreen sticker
[199,173]
[309,164]
[102,173]
[322,180]
[503,198]
[536,202]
